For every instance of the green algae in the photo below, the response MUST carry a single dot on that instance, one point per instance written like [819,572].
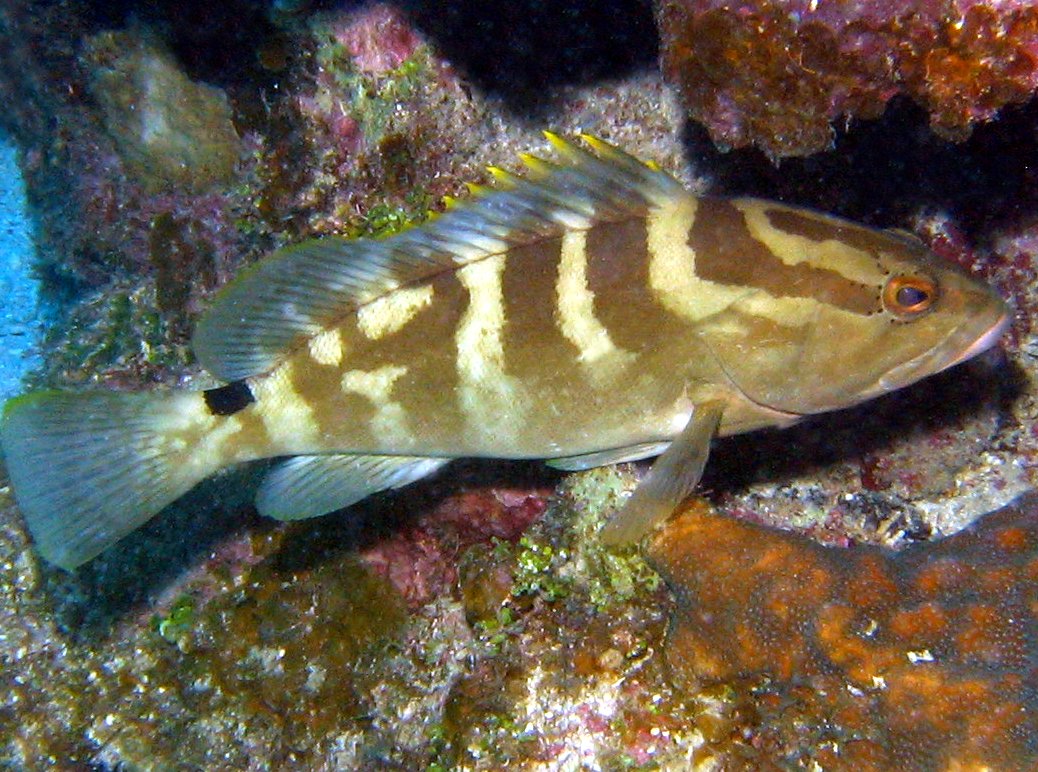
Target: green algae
[536,573]
[495,631]
[575,621]
[610,576]
[384,219]
[553,565]
[177,623]
[372,100]
[118,332]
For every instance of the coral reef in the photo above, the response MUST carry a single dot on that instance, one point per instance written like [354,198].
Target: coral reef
[777,74]
[474,620]
[284,648]
[922,659]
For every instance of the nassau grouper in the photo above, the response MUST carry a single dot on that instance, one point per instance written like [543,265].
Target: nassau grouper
[590,312]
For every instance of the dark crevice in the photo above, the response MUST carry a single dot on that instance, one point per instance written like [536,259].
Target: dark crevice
[523,52]
[883,171]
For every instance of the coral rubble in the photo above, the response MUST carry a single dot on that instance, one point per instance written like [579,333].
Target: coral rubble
[777,74]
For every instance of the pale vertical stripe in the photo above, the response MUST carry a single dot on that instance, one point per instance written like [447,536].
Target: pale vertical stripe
[576,301]
[603,361]
[375,385]
[672,264]
[286,414]
[181,429]
[390,313]
[326,347]
[214,451]
[481,356]
[389,424]
[191,414]
[488,396]
[207,441]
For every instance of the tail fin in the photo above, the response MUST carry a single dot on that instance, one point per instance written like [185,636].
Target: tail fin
[89,468]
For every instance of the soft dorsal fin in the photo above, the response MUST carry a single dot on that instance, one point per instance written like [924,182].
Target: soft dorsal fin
[298,291]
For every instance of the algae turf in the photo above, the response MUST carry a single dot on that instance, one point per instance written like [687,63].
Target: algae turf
[301,649]
[115,336]
[306,656]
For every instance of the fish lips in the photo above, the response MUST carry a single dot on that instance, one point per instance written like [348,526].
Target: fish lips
[972,337]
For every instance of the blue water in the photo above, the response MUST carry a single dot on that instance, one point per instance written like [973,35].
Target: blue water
[20,324]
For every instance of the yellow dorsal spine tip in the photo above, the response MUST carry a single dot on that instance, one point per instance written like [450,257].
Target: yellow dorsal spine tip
[533,163]
[559,143]
[500,174]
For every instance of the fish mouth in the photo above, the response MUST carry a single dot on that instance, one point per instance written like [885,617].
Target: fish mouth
[964,342]
[983,343]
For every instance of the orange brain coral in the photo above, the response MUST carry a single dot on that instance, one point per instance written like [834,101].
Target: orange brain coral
[927,658]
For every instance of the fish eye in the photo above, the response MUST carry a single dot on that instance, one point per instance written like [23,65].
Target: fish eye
[909,295]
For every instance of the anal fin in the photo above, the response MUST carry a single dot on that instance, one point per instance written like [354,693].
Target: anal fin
[606,457]
[671,479]
[307,486]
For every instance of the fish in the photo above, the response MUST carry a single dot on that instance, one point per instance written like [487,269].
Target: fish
[587,311]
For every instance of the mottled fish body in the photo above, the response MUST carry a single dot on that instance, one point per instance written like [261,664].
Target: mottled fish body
[590,312]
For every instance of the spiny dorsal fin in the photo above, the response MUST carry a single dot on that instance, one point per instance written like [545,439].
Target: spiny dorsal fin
[297,292]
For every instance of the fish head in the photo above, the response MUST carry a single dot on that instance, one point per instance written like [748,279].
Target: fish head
[937,316]
[875,311]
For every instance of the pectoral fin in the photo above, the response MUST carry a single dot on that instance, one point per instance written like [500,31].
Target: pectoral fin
[669,481]
[606,457]
[308,486]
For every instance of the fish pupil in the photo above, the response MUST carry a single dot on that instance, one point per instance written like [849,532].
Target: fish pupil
[911,296]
